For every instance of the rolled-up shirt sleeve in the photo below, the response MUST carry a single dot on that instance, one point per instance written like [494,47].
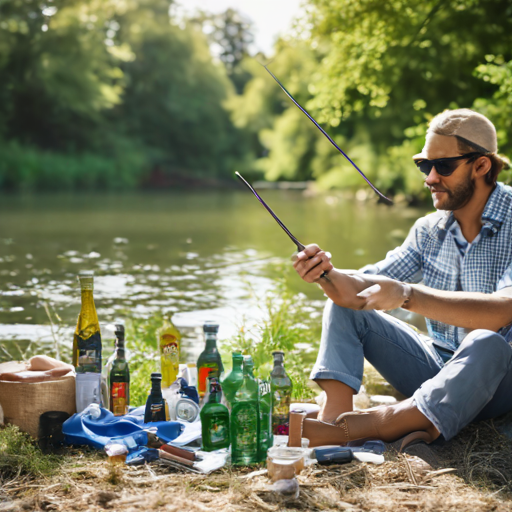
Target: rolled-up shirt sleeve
[405,262]
[506,280]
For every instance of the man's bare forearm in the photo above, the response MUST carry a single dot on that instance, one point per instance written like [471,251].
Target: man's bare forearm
[343,286]
[470,310]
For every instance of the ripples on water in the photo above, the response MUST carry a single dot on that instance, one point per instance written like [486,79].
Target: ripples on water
[196,255]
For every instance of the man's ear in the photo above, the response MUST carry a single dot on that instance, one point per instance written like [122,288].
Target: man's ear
[482,166]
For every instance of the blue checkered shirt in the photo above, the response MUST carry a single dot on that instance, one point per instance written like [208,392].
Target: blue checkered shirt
[436,253]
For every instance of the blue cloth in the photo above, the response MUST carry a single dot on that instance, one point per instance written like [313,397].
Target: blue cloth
[474,383]
[435,253]
[82,429]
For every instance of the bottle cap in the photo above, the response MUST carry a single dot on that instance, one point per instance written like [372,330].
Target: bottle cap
[278,356]
[248,362]
[211,326]
[156,376]
[237,356]
[119,330]
[86,278]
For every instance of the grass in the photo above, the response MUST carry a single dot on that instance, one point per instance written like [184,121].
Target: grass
[471,472]
[290,325]
[144,355]
[20,455]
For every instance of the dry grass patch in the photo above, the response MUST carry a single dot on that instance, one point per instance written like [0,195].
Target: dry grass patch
[473,472]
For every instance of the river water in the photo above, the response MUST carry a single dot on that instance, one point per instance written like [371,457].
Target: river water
[198,255]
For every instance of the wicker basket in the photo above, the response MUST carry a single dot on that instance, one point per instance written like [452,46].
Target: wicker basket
[24,402]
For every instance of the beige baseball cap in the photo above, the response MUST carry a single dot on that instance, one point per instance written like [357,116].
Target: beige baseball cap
[467,124]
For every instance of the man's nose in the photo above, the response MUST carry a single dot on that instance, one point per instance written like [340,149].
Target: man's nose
[433,176]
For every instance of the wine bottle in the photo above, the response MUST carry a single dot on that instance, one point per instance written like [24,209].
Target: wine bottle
[119,377]
[281,387]
[209,363]
[87,338]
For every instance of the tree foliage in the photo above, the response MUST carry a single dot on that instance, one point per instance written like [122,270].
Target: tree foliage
[119,80]
[374,73]
[394,64]
[97,93]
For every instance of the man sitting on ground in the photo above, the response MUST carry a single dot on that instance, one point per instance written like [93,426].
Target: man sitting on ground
[462,254]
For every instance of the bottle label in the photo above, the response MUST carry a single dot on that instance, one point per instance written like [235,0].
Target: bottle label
[118,398]
[157,412]
[170,358]
[219,431]
[170,348]
[89,354]
[281,413]
[245,431]
[265,435]
[204,372]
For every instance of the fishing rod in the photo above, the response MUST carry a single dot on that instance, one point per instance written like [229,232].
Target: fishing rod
[300,246]
[304,111]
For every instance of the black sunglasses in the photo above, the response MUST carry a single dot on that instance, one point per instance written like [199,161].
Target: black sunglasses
[444,166]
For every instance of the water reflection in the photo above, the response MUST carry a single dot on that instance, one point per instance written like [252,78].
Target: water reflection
[198,255]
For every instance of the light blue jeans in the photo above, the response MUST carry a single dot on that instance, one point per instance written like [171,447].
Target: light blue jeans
[450,389]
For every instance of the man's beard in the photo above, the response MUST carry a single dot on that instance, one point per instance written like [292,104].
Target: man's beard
[458,197]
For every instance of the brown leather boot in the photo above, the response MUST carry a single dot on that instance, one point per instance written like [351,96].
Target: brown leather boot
[387,423]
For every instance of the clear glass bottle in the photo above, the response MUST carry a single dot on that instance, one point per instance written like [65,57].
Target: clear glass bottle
[87,339]
[169,339]
[281,387]
[156,406]
[245,419]
[209,363]
[214,420]
[234,380]
[119,377]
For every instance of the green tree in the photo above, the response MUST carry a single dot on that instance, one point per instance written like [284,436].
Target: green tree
[230,36]
[58,75]
[98,92]
[394,64]
[376,73]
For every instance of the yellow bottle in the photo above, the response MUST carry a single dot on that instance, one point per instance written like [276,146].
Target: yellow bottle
[169,342]
[87,338]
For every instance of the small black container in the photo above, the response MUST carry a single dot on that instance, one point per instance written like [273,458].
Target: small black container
[51,438]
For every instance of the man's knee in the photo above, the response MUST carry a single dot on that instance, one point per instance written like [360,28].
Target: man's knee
[488,343]
[339,314]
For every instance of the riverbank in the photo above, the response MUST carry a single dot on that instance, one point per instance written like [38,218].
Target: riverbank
[473,472]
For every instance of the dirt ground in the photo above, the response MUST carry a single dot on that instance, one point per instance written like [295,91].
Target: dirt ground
[473,473]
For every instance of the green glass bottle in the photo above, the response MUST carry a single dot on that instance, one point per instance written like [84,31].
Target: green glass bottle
[281,387]
[119,377]
[209,363]
[265,436]
[214,420]
[245,420]
[156,406]
[234,380]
